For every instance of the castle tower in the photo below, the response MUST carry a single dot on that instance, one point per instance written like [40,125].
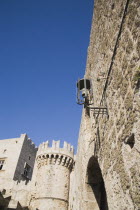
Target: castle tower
[53,167]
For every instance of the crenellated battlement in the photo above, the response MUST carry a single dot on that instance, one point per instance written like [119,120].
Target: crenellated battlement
[67,149]
[29,142]
[55,154]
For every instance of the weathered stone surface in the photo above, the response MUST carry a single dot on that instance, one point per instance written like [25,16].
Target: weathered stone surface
[113,53]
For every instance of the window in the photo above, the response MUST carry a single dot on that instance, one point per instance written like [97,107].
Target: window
[27,171]
[1,164]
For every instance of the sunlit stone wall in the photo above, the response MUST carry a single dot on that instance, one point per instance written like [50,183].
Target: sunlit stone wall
[113,138]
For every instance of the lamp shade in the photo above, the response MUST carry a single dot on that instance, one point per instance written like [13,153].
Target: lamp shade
[83,83]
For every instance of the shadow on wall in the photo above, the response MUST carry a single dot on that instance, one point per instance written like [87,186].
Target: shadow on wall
[95,185]
[25,164]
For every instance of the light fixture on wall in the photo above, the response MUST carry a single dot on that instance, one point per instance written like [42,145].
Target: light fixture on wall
[85,97]
[83,91]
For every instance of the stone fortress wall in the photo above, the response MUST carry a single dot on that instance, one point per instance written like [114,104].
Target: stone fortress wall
[106,174]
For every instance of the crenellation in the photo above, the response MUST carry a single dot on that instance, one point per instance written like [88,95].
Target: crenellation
[72,149]
[46,144]
[55,149]
[65,145]
[41,147]
[56,144]
[68,147]
[29,142]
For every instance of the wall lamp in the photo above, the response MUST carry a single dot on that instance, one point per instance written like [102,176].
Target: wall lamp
[84,96]
[83,91]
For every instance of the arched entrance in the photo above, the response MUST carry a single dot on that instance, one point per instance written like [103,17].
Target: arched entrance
[96,198]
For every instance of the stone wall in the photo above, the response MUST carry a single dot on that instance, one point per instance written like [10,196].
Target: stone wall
[108,158]
[27,155]
[22,184]
[9,151]
[16,152]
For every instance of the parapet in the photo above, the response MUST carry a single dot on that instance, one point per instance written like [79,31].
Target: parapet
[55,148]
[55,154]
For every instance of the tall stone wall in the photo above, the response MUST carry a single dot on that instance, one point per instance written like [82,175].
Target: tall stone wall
[22,184]
[107,166]
[9,151]
[16,153]
[27,155]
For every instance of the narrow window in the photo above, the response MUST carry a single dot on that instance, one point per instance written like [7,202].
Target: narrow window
[1,164]
[27,171]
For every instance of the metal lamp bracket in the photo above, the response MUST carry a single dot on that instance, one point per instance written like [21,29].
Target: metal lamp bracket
[98,110]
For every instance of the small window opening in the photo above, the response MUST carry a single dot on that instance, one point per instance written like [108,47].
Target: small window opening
[1,164]
[29,157]
[27,171]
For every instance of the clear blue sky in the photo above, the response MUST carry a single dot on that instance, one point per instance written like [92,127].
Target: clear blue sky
[43,51]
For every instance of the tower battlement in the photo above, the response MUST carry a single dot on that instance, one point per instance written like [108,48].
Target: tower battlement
[67,149]
[55,155]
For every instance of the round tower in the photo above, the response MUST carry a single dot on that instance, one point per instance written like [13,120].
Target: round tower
[53,167]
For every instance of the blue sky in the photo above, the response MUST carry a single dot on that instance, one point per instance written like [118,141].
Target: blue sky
[43,51]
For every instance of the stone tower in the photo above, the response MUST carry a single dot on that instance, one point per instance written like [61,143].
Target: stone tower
[52,176]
